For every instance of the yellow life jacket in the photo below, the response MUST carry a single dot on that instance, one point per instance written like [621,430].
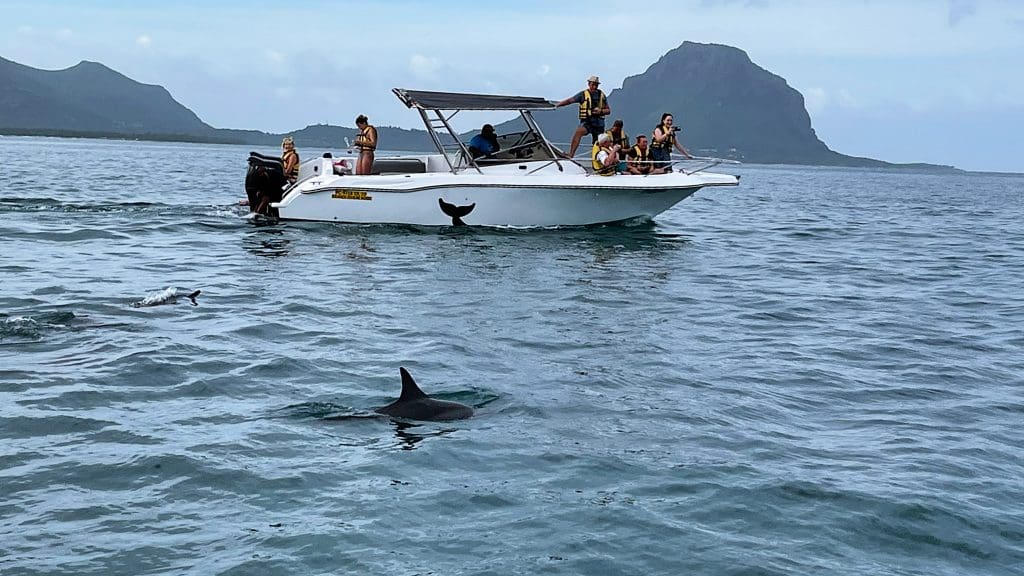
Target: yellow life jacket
[363,140]
[667,142]
[294,172]
[641,158]
[597,165]
[587,108]
[622,141]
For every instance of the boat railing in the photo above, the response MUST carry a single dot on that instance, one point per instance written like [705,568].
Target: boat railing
[708,162]
[583,159]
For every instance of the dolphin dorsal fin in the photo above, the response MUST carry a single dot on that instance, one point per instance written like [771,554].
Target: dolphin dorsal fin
[410,391]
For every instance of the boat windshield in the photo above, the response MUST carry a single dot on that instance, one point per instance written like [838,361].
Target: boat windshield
[438,108]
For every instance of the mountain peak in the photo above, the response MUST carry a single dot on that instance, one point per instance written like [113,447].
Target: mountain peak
[725,104]
[89,97]
[692,49]
[96,69]
[89,65]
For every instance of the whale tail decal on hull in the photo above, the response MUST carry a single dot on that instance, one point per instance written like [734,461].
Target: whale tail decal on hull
[456,212]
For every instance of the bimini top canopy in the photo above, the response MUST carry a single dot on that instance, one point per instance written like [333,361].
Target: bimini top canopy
[455,101]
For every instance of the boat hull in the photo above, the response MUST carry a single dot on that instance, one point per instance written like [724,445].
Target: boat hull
[518,200]
[506,207]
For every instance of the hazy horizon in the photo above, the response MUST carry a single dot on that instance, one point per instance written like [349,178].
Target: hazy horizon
[901,81]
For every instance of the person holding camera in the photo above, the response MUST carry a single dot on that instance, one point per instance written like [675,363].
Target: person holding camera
[604,156]
[620,139]
[663,140]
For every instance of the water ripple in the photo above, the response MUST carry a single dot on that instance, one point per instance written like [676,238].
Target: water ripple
[814,373]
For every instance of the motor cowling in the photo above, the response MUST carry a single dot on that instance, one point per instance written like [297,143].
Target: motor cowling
[264,183]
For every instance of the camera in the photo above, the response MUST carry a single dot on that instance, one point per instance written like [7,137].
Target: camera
[675,128]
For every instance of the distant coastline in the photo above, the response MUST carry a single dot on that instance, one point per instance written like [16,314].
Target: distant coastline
[100,135]
[274,139]
[743,112]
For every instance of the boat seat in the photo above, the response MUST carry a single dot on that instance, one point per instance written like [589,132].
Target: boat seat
[399,165]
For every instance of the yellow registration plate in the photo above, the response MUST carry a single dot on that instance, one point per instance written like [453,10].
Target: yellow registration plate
[342,194]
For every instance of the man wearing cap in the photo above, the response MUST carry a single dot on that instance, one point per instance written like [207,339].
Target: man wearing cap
[485,143]
[593,109]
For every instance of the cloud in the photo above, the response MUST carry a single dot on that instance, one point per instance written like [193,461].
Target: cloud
[424,67]
[64,33]
[959,10]
[143,41]
[544,70]
[815,100]
[743,3]
[818,100]
[844,99]
[26,30]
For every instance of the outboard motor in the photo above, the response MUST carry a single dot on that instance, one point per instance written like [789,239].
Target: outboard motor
[264,183]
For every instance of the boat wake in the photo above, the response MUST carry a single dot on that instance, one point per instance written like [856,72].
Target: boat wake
[32,328]
[35,327]
[21,205]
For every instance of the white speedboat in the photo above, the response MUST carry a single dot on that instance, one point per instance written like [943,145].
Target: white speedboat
[527,184]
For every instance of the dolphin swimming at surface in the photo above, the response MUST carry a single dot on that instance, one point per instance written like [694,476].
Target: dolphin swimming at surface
[168,296]
[413,404]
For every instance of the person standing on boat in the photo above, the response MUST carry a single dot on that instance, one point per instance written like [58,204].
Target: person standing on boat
[485,143]
[289,159]
[604,156]
[366,142]
[593,108]
[640,158]
[663,139]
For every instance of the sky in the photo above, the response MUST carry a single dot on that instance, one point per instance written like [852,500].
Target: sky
[937,81]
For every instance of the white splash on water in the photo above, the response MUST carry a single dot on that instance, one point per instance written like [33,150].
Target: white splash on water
[158,298]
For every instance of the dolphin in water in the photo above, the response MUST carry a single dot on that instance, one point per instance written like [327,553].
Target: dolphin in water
[168,296]
[413,404]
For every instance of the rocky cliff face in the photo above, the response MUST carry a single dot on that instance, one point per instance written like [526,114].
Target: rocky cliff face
[726,105]
[89,97]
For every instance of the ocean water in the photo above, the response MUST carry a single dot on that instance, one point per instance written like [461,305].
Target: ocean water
[818,372]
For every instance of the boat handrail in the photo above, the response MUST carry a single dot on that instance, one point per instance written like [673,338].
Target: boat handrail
[545,165]
[709,162]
